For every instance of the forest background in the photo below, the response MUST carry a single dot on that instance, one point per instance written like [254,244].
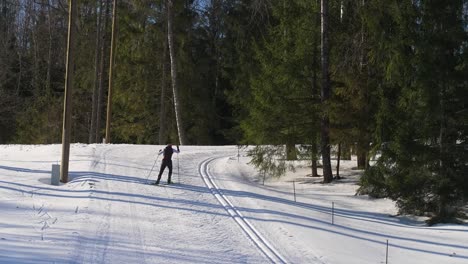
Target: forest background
[252,72]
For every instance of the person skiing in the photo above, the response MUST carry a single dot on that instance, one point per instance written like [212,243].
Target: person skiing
[167,162]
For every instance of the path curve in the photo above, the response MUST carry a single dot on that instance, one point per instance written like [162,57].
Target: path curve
[263,245]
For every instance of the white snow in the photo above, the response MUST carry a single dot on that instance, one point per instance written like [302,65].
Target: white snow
[218,211]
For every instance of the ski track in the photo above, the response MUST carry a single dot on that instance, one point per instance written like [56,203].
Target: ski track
[94,249]
[262,244]
[98,244]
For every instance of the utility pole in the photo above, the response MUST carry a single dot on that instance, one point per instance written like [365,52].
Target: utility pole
[69,74]
[111,66]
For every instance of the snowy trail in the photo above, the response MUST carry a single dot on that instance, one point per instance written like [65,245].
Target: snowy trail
[128,221]
[103,241]
[263,245]
[218,211]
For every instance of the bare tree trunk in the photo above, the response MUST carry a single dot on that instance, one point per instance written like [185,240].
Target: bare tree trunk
[49,56]
[49,72]
[213,16]
[31,12]
[325,124]
[92,130]
[177,106]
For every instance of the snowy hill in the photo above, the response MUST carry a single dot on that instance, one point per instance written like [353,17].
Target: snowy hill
[218,211]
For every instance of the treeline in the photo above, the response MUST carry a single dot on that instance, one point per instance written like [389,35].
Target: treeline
[207,38]
[255,72]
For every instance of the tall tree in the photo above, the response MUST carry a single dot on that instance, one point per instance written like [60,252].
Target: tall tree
[175,88]
[111,72]
[325,95]
[101,72]
[97,49]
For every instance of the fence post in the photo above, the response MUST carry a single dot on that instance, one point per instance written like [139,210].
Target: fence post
[386,254]
[333,213]
[264,177]
[294,188]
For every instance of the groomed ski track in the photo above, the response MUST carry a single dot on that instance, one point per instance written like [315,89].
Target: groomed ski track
[127,215]
[263,245]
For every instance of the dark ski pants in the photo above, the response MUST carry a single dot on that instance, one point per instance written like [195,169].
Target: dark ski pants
[164,164]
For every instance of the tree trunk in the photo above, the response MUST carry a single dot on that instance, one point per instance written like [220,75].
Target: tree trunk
[92,130]
[361,158]
[35,49]
[49,138]
[442,203]
[49,56]
[177,106]
[325,124]
[20,73]
[314,159]
[291,153]
[338,158]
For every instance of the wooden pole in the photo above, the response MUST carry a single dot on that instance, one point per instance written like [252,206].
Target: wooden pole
[111,67]
[69,76]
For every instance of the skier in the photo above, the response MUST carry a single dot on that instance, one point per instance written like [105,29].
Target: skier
[167,162]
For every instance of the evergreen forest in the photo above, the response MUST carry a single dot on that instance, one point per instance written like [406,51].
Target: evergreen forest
[384,80]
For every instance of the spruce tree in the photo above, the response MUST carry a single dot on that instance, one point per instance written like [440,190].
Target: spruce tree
[284,103]
[420,132]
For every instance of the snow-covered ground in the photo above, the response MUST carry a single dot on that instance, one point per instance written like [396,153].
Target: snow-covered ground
[219,211]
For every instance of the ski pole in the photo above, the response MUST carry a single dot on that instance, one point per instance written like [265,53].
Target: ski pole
[155,160]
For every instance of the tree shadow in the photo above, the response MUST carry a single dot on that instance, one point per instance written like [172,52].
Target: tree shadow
[195,206]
